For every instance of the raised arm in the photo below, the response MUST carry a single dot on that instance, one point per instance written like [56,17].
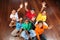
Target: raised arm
[26,3]
[46,26]
[21,6]
[43,6]
[50,27]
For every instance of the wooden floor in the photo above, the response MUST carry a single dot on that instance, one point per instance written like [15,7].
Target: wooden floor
[53,18]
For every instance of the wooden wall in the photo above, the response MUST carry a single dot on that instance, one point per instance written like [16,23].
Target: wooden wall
[53,16]
[8,5]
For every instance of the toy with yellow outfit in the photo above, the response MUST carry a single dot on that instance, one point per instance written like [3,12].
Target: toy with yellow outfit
[41,17]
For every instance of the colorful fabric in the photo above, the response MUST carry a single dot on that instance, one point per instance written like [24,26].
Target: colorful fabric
[14,16]
[26,26]
[41,17]
[18,26]
[25,36]
[30,15]
[39,30]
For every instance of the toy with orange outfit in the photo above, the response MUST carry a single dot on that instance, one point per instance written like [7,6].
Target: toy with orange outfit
[40,28]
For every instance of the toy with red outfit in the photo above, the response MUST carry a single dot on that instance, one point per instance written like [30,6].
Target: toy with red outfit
[30,13]
[40,28]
